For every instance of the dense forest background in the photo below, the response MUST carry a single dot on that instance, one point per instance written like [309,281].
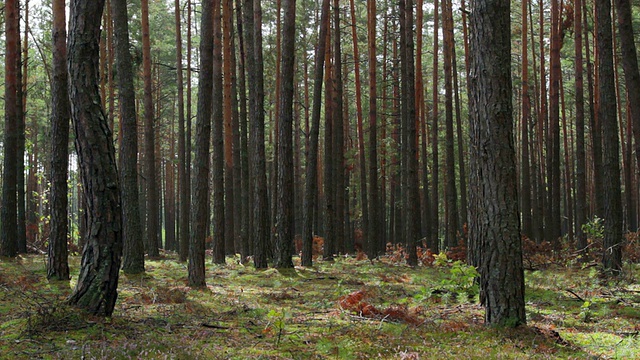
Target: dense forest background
[360,194]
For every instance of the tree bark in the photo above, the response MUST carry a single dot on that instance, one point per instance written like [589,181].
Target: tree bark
[311,185]
[612,256]
[133,254]
[151,244]
[199,210]
[58,265]
[9,216]
[285,199]
[494,227]
[631,72]
[219,153]
[96,289]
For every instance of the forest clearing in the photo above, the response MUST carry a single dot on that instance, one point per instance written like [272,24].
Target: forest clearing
[308,313]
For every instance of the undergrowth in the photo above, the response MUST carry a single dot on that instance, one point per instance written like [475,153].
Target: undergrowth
[346,309]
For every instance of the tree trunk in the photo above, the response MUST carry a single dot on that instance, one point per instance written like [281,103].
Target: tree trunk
[525,176]
[581,184]
[199,210]
[217,137]
[612,257]
[494,227]
[96,289]
[410,204]
[229,180]
[631,75]
[58,265]
[434,240]
[451,196]
[338,135]
[151,244]
[183,180]
[376,211]
[133,254]
[311,185]
[285,199]
[366,229]
[261,224]
[9,216]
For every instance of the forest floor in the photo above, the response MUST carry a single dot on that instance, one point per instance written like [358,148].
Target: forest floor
[346,309]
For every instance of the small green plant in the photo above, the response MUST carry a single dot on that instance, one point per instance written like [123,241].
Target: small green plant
[594,229]
[441,259]
[277,321]
[586,310]
[461,280]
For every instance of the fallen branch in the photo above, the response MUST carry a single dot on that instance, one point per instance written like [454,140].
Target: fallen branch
[575,295]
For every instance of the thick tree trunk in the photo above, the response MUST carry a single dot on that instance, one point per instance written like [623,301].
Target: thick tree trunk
[494,227]
[96,290]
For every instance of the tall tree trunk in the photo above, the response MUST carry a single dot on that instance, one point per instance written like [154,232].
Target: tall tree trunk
[9,216]
[494,236]
[338,134]
[451,196]
[96,289]
[434,240]
[329,167]
[366,230]
[58,265]
[631,75]
[595,125]
[261,224]
[21,116]
[581,184]
[245,209]
[183,180]
[376,203]
[285,199]
[151,244]
[229,180]
[200,208]
[410,193]
[553,132]
[612,257]
[525,192]
[133,254]
[217,137]
[311,185]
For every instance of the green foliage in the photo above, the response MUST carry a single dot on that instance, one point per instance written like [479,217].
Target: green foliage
[594,228]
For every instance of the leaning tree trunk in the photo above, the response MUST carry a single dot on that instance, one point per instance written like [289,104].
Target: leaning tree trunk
[96,290]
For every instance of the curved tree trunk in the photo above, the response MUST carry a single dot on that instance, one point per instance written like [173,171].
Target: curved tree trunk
[96,290]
